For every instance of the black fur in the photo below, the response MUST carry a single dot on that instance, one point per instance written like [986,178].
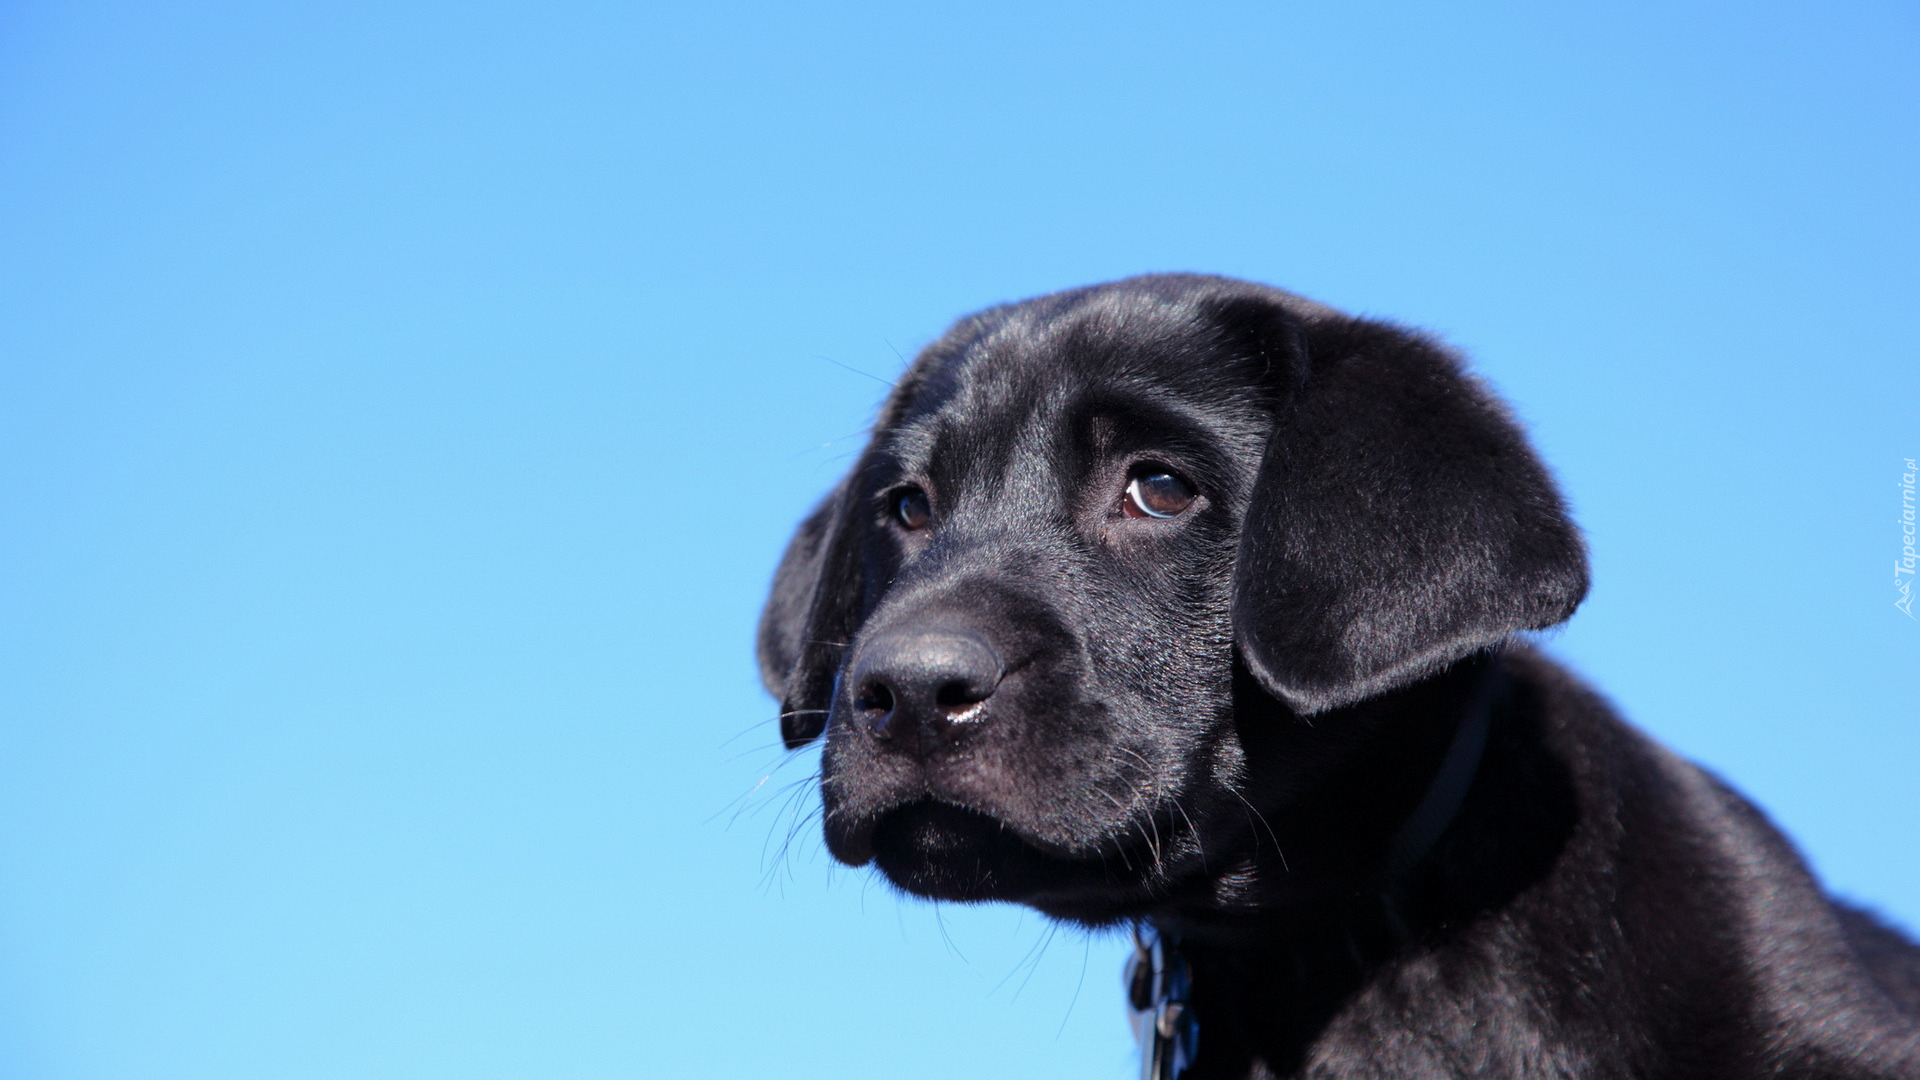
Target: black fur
[1218,722]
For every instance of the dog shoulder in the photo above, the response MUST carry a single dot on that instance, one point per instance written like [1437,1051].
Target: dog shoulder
[1669,870]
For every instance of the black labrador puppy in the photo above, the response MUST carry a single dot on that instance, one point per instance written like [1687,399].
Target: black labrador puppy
[1187,603]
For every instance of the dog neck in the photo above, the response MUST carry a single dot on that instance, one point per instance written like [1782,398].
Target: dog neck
[1437,808]
[1261,979]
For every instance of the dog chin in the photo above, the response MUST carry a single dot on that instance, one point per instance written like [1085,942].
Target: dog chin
[942,851]
[945,852]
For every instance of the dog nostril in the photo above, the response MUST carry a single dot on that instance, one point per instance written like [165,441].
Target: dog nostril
[957,695]
[875,703]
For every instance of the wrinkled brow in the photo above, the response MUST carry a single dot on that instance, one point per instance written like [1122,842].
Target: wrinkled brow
[1216,439]
[1208,443]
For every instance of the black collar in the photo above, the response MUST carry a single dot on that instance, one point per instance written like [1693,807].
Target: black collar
[1448,789]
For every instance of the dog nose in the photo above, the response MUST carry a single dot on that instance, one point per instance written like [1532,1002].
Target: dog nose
[918,685]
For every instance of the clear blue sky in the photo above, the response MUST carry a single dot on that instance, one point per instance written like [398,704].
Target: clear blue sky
[402,406]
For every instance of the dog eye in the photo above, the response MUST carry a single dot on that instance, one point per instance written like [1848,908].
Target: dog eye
[1152,493]
[912,509]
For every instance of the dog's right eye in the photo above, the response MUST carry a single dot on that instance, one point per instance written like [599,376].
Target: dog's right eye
[1156,493]
[912,510]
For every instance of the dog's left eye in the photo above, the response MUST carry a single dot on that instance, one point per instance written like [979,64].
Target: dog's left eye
[912,510]
[1155,493]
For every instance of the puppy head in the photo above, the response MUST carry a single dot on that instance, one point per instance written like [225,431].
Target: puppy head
[1086,525]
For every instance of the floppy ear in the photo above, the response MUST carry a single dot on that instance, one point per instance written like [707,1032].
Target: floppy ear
[803,626]
[1398,522]
[783,620]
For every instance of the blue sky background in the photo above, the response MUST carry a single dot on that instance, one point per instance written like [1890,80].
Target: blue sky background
[402,407]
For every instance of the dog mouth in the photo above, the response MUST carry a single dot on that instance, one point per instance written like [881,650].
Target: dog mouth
[942,851]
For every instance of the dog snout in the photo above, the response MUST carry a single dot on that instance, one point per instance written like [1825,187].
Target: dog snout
[916,687]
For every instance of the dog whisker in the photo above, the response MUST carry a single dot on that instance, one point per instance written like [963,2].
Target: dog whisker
[763,748]
[1193,831]
[940,921]
[1086,954]
[1262,819]
[849,367]
[1045,944]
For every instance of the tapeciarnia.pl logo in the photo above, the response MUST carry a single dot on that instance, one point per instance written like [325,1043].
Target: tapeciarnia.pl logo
[1904,565]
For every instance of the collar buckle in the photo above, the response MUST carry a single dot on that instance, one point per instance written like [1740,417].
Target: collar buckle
[1159,984]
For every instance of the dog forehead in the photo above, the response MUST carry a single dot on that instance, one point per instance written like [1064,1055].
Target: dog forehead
[1019,386]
